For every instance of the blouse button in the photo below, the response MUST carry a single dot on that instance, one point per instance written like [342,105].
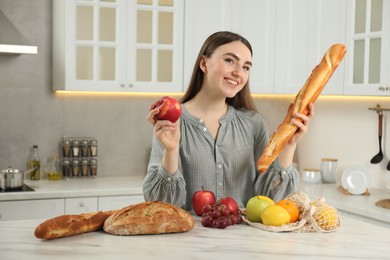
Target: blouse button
[204,129]
[220,184]
[284,172]
[169,179]
[219,166]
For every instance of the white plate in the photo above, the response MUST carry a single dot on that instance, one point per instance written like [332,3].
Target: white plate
[355,179]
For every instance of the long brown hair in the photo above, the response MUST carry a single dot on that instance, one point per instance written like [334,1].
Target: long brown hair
[242,99]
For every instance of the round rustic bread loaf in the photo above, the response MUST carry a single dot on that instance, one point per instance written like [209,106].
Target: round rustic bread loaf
[149,218]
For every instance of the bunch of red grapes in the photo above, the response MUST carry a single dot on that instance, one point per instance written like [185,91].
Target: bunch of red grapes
[219,216]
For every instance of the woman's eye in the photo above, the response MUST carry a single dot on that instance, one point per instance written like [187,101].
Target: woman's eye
[229,60]
[247,68]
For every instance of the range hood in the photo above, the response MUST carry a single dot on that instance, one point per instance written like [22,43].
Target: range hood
[11,40]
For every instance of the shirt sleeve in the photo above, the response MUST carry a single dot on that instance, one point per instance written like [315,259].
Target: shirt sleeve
[277,182]
[161,185]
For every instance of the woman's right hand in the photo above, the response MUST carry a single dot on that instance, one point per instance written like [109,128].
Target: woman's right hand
[166,132]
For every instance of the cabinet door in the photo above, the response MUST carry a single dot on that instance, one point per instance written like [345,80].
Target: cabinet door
[118,202]
[255,20]
[328,28]
[305,29]
[368,32]
[80,205]
[31,209]
[202,18]
[155,45]
[117,45]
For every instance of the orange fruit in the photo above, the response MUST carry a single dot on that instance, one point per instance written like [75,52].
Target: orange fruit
[291,208]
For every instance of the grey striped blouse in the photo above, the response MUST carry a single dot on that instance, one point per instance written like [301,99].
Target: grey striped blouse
[225,165]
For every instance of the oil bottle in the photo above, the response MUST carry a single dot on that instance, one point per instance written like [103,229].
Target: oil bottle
[35,162]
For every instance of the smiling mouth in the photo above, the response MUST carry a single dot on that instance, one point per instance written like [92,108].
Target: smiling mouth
[232,82]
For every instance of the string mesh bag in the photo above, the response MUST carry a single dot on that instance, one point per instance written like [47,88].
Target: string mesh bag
[314,216]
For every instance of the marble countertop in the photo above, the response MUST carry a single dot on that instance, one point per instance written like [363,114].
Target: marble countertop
[359,205]
[78,187]
[355,239]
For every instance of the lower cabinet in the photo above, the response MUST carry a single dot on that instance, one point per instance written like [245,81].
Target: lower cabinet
[118,202]
[80,205]
[31,209]
[49,208]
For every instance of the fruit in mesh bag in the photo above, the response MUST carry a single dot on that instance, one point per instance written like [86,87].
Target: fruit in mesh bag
[291,208]
[326,217]
[301,200]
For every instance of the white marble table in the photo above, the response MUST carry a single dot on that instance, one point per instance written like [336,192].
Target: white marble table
[355,239]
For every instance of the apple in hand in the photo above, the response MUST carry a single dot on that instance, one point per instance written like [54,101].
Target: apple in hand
[169,109]
[200,199]
[230,204]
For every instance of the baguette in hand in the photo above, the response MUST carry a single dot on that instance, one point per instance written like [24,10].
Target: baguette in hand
[308,94]
[69,225]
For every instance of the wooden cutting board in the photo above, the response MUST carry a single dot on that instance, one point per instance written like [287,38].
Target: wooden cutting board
[383,203]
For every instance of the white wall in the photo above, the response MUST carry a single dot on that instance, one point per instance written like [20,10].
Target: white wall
[346,129]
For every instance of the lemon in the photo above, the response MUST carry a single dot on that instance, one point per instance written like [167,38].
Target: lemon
[270,201]
[275,215]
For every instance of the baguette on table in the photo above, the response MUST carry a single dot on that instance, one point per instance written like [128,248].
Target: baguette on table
[308,94]
[70,225]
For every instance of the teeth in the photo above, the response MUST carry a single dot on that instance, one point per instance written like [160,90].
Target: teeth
[232,82]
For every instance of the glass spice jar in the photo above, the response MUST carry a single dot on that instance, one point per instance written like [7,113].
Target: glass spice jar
[75,148]
[75,167]
[66,148]
[93,167]
[93,148]
[66,168]
[84,148]
[84,167]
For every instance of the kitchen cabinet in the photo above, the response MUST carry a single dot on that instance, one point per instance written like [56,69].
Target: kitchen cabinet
[305,30]
[289,38]
[118,202]
[80,205]
[31,209]
[201,19]
[368,38]
[120,46]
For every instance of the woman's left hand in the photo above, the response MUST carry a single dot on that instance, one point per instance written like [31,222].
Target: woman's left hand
[302,122]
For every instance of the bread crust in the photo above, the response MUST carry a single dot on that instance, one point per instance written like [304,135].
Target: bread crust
[70,225]
[308,94]
[149,218]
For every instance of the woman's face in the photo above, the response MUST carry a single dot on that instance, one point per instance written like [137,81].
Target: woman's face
[227,70]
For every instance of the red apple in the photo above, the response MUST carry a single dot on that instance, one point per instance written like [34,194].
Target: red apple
[200,199]
[230,204]
[169,109]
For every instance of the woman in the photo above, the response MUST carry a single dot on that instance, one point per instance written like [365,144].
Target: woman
[219,137]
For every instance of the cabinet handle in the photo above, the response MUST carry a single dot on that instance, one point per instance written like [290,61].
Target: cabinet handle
[382,88]
[122,85]
[387,88]
[82,204]
[130,85]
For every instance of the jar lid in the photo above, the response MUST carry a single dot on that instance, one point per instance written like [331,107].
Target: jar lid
[93,142]
[329,159]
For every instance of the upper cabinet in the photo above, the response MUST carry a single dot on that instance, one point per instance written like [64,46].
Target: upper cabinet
[152,45]
[289,38]
[118,45]
[368,37]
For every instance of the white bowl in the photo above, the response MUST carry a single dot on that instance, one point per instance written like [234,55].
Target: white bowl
[311,175]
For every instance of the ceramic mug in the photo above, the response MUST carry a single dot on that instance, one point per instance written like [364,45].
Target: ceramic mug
[328,170]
